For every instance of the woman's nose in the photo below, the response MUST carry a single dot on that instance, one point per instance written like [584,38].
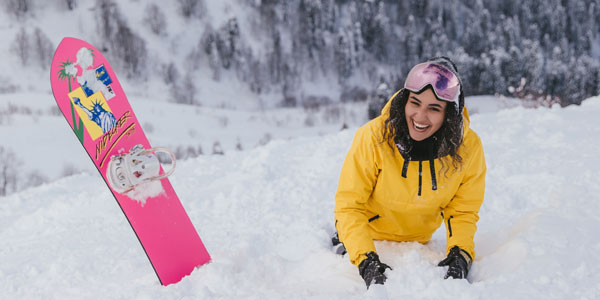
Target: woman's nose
[420,115]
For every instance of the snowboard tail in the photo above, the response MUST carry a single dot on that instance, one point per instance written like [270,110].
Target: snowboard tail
[93,102]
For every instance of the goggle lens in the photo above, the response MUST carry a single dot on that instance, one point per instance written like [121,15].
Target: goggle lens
[446,85]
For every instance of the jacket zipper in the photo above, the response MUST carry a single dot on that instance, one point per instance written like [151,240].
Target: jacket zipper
[420,176]
[373,218]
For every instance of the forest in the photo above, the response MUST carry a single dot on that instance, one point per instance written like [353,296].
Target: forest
[534,49]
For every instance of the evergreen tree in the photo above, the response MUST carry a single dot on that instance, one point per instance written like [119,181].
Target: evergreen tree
[413,42]
[499,58]
[512,67]
[556,72]
[357,46]
[275,58]
[533,66]
[343,56]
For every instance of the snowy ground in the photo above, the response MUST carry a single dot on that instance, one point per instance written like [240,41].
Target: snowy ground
[266,215]
[27,117]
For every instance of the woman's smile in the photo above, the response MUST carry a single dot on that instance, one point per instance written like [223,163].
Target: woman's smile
[420,127]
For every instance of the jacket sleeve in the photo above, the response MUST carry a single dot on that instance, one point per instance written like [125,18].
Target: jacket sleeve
[462,213]
[357,180]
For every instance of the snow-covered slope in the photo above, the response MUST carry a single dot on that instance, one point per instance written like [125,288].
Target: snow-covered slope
[27,117]
[266,215]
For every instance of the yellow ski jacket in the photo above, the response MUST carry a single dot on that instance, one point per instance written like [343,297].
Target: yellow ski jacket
[374,201]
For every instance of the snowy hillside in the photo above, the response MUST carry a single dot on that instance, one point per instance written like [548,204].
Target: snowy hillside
[188,130]
[266,215]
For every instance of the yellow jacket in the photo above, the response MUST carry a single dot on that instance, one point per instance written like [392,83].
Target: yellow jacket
[375,202]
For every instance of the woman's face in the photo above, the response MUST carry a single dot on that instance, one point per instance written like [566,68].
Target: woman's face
[424,114]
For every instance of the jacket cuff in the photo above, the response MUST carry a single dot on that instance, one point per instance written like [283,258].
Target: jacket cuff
[466,256]
[360,259]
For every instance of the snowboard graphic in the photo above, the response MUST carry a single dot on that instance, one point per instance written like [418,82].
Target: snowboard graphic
[95,106]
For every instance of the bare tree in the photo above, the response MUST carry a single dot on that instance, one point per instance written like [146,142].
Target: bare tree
[20,46]
[180,153]
[208,43]
[156,19]
[107,17]
[131,48]
[43,48]
[5,117]
[185,92]
[170,73]
[192,8]
[217,149]
[265,139]
[191,152]
[69,170]
[35,178]
[6,86]
[71,4]
[127,45]
[9,171]
[18,8]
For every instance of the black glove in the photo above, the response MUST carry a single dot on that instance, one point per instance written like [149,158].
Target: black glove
[458,262]
[371,269]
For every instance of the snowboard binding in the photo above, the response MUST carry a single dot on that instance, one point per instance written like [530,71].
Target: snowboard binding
[127,171]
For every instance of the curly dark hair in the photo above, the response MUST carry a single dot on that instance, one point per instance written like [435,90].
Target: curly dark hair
[447,139]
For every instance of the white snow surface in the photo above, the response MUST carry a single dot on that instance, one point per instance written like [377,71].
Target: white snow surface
[266,216]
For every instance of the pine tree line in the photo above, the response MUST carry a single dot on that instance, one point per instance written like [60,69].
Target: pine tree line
[540,48]
[546,49]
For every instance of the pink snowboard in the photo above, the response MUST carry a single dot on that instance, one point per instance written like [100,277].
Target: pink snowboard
[89,95]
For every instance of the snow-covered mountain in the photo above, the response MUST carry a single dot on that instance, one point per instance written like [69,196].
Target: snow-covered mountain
[266,215]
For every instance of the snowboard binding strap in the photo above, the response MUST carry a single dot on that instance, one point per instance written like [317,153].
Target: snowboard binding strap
[130,170]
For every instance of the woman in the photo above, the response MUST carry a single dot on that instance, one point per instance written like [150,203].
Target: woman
[416,166]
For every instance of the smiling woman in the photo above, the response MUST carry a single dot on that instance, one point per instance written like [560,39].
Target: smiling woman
[383,193]
[424,114]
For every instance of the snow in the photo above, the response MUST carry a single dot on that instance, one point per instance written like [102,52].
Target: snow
[266,216]
[490,104]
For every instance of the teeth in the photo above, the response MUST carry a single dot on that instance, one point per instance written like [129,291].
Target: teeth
[420,126]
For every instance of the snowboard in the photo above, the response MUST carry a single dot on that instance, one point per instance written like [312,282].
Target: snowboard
[90,97]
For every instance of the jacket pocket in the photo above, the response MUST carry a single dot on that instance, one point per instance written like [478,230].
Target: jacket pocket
[449,223]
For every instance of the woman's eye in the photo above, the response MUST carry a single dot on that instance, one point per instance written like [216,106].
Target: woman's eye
[435,109]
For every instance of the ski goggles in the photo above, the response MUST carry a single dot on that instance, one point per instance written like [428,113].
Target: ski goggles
[445,83]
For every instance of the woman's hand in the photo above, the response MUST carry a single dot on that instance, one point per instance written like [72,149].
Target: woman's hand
[458,262]
[371,269]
